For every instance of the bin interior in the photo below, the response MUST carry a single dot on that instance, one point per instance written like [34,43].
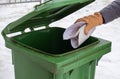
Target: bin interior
[49,41]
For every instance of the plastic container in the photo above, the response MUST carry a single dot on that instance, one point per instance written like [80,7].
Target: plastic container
[43,54]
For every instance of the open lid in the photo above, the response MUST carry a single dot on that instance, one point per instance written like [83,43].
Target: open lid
[46,13]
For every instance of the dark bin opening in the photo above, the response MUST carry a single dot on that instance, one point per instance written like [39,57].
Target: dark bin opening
[49,40]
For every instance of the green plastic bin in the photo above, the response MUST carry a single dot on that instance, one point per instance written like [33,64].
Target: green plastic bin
[43,54]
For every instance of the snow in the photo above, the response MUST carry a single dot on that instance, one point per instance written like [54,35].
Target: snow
[108,66]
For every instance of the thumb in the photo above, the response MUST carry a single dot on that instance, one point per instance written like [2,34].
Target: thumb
[87,29]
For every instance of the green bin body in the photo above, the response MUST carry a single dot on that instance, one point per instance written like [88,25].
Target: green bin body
[43,54]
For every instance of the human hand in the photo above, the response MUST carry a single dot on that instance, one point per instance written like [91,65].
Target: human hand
[91,21]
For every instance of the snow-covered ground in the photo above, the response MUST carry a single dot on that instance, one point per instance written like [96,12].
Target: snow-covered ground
[108,67]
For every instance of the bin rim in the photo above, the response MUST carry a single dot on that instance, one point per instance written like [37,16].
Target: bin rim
[44,14]
[96,41]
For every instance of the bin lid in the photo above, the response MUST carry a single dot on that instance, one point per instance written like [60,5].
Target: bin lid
[46,13]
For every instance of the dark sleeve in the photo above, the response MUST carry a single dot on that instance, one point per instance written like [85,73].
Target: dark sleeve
[111,12]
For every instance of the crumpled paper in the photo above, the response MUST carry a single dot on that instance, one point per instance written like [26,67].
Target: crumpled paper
[76,34]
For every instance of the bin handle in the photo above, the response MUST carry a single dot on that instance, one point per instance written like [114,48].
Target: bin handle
[4,35]
[4,32]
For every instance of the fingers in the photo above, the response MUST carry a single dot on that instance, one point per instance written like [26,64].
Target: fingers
[87,29]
